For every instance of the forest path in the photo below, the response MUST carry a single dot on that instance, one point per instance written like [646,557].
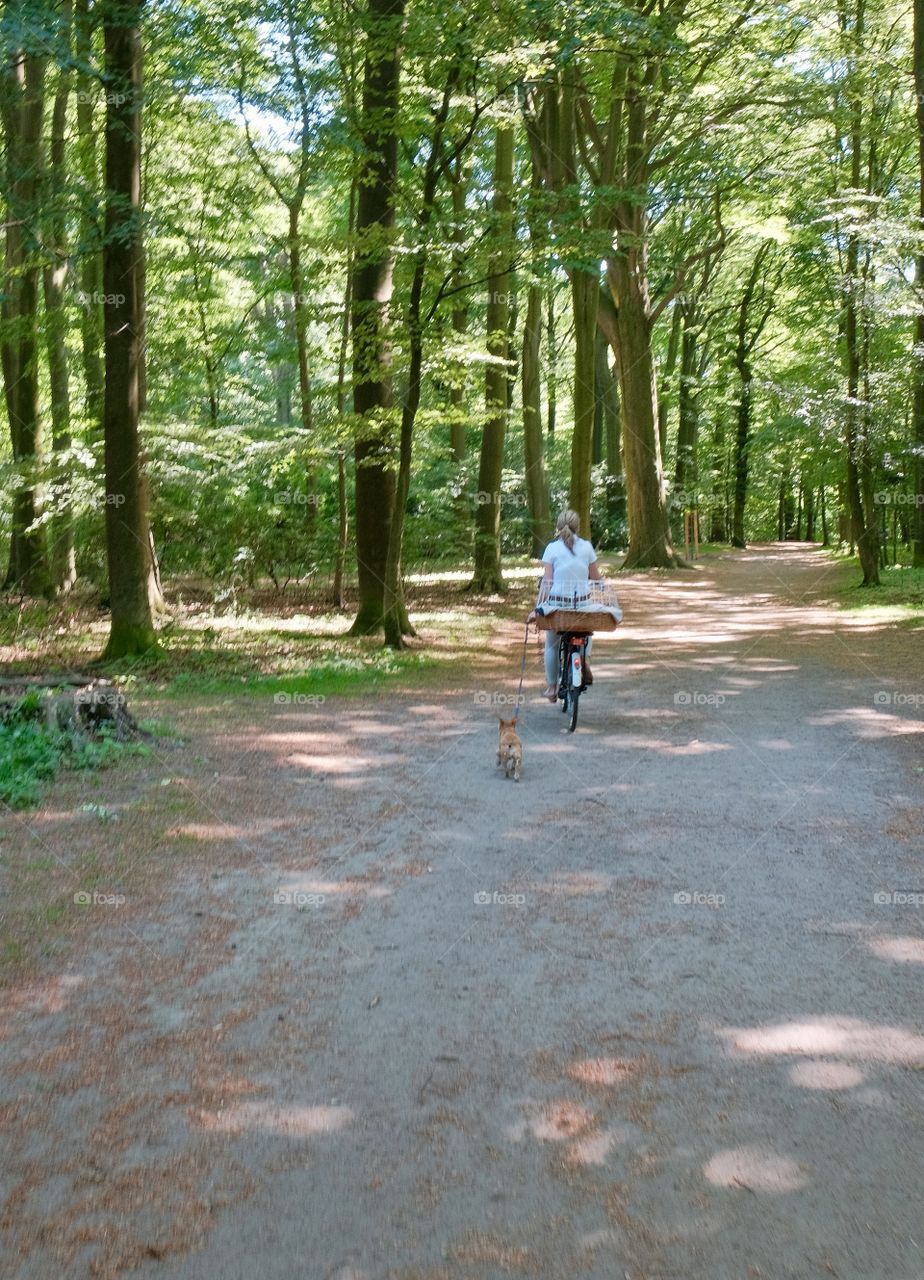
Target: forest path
[680,1038]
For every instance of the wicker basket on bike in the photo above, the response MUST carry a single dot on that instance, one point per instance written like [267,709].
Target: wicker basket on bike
[590,606]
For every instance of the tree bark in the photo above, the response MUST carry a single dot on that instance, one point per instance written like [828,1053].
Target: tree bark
[537,490]
[918,525]
[24,77]
[300,318]
[718,510]
[742,445]
[551,362]
[61,551]
[863,530]
[686,470]
[90,263]
[459,319]
[132,584]
[396,621]
[665,382]
[650,544]
[607,441]
[585,287]
[748,329]
[809,491]
[343,513]
[373,397]
[487,575]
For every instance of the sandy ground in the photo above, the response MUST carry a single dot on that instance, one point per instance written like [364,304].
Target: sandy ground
[371,1012]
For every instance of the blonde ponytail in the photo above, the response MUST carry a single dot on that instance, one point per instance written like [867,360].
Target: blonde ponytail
[567,527]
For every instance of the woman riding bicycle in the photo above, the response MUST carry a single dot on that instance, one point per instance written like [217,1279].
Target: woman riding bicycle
[568,562]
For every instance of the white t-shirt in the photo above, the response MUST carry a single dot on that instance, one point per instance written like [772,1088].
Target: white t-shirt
[569,567]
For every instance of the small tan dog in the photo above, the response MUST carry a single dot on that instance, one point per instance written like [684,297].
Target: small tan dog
[510,748]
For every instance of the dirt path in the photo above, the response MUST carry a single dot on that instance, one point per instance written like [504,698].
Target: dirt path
[680,1038]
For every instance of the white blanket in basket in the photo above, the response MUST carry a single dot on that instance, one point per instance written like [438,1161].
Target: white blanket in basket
[588,597]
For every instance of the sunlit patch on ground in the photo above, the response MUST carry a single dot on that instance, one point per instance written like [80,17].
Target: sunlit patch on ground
[851,1038]
[755,1168]
[820,1074]
[281,1120]
[605,1071]
[900,950]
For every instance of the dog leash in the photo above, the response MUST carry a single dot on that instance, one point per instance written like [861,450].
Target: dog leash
[519,702]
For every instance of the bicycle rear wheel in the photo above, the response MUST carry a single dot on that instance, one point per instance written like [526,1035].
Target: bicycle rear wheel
[572,706]
[564,674]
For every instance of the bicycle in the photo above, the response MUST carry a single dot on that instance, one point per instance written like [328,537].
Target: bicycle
[575,614]
[572,657]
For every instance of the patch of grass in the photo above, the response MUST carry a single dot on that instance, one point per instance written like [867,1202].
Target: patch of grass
[348,671]
[29,757]
[31,753]
[900,595]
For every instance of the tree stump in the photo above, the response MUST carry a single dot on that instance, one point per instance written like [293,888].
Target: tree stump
[70,704]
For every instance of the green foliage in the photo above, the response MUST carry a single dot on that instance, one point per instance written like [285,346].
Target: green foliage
[251,106]
[31,753]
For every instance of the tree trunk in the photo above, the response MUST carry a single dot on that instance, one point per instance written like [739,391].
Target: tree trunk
[396,621]
[457,397]
[90,265]
[373,267]
[585,287]
[300,317]
[918,528]
[742,446]
[601,378]
[537,490]
[825,534]
[650,543]
[24,78]
[551,359]
[864,534]
[343,531]
[863,531]
[685,474]
[747,334]
[459,318]
[62,564]
[584,293]
[487,576]
[607,392]
[343,514]
[670,364]
[132,585]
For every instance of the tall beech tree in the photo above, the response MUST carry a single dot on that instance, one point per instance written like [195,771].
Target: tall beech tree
[857,139]
[88,249]
[396,622]
[488,576]
[23,109]
[373,268]
[132,584]
[754,309]
[63,566]
[918,437]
